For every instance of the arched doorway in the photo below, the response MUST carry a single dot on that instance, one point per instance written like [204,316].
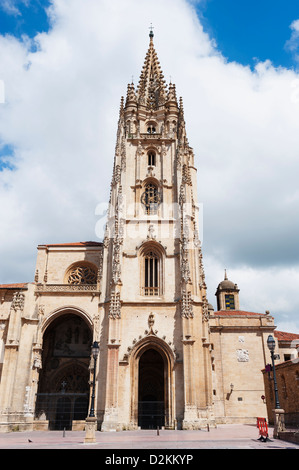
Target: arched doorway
[151,390]
[63,391]
[152,377]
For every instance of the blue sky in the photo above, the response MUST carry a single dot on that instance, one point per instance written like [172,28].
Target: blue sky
[246,31]
[242,116]
[18,17]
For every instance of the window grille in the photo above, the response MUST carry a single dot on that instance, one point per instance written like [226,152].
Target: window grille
[151,274]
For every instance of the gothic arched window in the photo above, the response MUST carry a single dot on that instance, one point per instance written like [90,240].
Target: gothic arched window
[151,198]
[151,129]
[151,159]
[151,273]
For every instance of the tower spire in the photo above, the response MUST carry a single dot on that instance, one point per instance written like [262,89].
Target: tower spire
[151,34]
[151,90]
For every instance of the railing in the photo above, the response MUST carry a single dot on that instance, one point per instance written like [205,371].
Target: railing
[67,288]
[60,409]
[151,414]
[151,136]
[150,291]
[145,135]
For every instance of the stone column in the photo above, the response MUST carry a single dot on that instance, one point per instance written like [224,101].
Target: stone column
[110,422]
[279,424]
[11,352]
[190,408]
[90,429]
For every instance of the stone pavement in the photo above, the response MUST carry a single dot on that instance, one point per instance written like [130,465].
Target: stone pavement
[227,436]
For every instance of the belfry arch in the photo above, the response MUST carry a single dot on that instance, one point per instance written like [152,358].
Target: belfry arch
[152,397]
[63,389]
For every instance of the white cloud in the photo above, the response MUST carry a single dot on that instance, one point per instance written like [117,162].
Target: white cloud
[61,113]
[293,43]
[11,6]
[261,289]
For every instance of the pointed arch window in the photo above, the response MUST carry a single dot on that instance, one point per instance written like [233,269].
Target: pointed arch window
[151,129]
[151,159]
[151,198]
[151,273]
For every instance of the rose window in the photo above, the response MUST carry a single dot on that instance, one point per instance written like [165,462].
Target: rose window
[82,275]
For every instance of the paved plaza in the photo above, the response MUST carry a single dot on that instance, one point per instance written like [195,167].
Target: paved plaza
[223,437]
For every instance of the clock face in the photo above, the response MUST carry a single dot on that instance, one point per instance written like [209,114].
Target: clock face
[151,198]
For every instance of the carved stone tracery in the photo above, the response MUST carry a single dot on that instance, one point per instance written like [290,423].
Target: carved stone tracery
[187,305]
[115,305]
[82,275]
[18,301]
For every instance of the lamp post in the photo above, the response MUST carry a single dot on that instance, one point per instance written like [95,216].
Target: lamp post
[278,412]
[91,420]
[95,352]
[271,346]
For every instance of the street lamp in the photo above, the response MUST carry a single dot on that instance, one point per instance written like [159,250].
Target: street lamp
[95,352]
[271,346]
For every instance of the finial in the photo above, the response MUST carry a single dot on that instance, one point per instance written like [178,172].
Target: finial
[225,275]
[151,34]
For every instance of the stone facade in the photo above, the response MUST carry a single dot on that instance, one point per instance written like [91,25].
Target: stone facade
[240,351]
[166,358]
[287,378]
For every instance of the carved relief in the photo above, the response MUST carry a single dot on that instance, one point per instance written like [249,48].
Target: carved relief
[116,175]
[187,305]
[18,301]
[123,154]
[151,322]
[186,178]
[117,239]
[185,269]
[242,355]
[148,332]
[115,305]
[202,282]
[205,309]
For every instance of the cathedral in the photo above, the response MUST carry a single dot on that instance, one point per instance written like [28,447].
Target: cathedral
[165,357]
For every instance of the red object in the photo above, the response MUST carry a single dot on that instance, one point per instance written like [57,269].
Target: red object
[263,427]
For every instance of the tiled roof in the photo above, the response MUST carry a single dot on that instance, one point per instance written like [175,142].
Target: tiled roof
[75,244]
[283,336]
[14,286]
[231,313]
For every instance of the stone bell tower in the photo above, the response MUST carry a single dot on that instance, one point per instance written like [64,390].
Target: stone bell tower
[155,360]
[227,295]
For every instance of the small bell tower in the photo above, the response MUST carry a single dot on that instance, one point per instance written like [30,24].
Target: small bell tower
[227,295]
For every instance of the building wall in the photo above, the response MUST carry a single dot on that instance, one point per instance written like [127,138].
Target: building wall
[236,352]
[287,376]
[240,352]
